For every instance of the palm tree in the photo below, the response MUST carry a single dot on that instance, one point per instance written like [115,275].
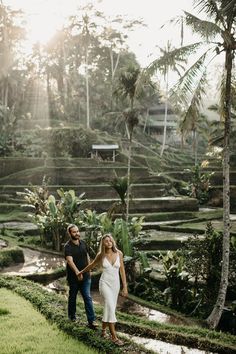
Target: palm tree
[129,88]
[196,123]
[10,36]
[88,30]
[168,61]
[218,34]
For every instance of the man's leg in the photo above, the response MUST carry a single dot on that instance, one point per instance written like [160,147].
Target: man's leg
[88,303]
[73,291]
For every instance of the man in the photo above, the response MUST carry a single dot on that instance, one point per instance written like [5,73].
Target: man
[76,255]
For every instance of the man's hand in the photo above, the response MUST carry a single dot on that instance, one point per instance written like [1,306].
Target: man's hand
[80,276]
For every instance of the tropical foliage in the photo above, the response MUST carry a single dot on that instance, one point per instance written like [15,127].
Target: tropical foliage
[217,33]
[52,215]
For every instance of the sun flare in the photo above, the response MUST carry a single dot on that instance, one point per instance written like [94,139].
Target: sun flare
[42,24]
[41,27]
[43,18]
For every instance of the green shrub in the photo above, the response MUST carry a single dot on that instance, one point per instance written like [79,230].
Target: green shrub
[203,260]
[4,312]
[11,256]
[200,184]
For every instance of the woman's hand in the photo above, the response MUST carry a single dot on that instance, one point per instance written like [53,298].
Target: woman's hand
[124,292]
[80,276]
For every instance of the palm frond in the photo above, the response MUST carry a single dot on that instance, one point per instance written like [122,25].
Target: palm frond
[213,107]
[229,10]
[211,8]
[177,54]
[228,6]
[205,29]
[186,85]
[143,81]
[131,83]
[119,184]
[217,140]
[193,115]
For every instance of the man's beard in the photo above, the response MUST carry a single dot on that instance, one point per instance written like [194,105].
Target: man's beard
[75,238]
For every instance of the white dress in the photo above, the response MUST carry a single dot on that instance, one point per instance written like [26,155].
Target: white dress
[109,287]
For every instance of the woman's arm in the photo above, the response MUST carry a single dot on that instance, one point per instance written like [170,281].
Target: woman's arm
[91,265]
[124,291]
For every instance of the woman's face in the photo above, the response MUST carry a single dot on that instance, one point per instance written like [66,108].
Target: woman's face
[107,242]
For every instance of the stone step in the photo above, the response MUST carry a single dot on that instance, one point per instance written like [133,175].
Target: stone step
[138,205]
[80,175]
[216,197]
[143,205]
[10,165]
[161,240]
[11,193]
[217,178]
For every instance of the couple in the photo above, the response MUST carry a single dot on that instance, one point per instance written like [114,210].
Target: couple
[78,277]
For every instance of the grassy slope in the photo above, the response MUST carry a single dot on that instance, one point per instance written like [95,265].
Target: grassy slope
[54,308]
[194,337]
[24,330]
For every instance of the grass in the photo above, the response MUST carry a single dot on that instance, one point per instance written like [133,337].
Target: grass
[25,330]
[53,307]
[10,238]
[201,226]
[15,215]
[11,256]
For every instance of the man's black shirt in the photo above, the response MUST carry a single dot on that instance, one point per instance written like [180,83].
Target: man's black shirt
[79,253]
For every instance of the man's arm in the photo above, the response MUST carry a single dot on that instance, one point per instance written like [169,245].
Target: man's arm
[72,265]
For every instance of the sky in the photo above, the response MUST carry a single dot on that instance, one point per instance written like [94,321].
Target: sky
[44,17]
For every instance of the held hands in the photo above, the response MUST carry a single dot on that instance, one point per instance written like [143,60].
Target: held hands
[80,276]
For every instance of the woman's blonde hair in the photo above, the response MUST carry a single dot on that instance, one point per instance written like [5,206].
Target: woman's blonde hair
[102,247]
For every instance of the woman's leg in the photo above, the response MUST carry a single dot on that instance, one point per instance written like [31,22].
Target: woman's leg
[104,326]
[114,337]
[112,330]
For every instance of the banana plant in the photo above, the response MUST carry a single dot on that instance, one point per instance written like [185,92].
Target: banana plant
[120,185]
[177,278]
[144,263]
[121,235]
[69,203]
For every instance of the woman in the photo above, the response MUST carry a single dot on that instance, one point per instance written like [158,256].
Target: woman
[111,260]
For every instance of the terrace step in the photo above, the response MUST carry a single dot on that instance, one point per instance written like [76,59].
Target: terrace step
[11,193]
[148,191]
[10,165]
[76,175]
[143,205]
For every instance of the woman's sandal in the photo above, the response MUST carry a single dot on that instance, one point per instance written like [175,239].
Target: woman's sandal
[118,342]
[104,334]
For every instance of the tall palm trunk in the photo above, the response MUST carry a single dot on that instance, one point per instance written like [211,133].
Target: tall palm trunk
[128,177]
[195,146]
[129,163]
[216,313]
[113,71]
[87,90]
[6,90]
[166,112]
[146,118]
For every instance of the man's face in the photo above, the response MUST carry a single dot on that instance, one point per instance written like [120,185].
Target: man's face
[74,233]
